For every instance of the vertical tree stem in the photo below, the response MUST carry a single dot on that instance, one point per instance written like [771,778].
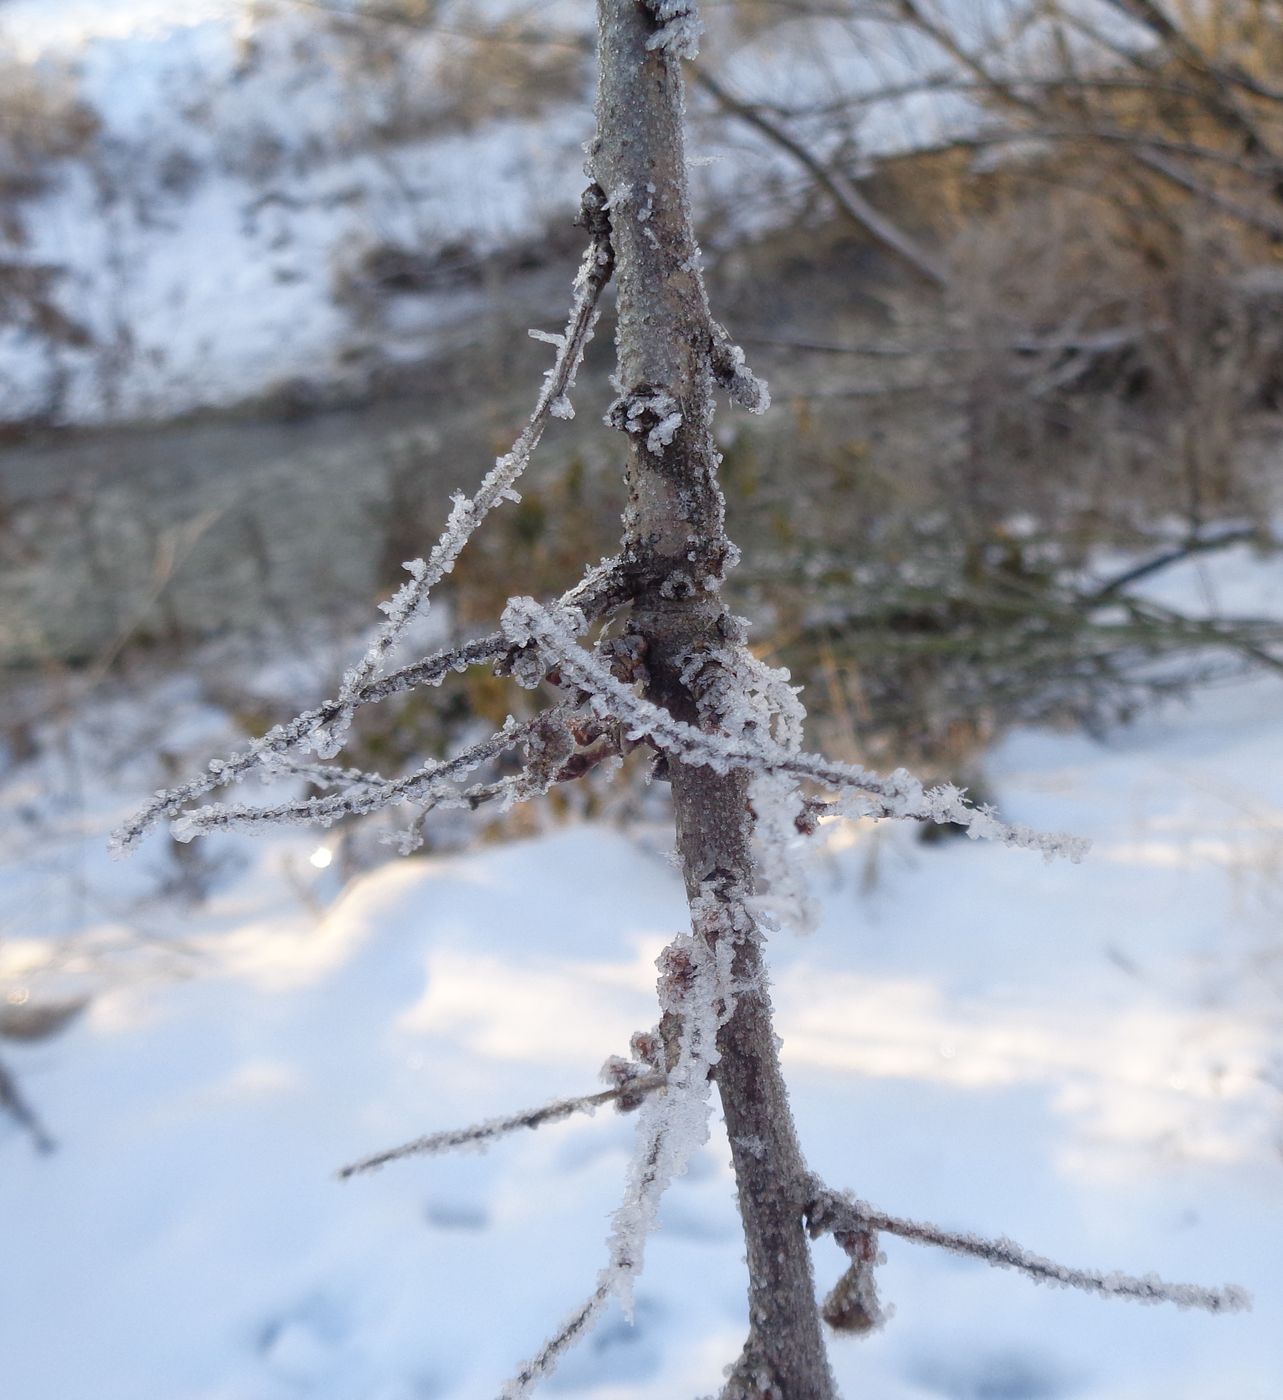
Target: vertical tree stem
[675,542]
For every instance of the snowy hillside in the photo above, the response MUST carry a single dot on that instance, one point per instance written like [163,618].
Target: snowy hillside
[260,198]
[212,239]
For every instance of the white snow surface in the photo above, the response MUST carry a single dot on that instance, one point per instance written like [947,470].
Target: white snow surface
[1086,1058]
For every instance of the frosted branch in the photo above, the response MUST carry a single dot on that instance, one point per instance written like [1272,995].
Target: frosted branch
[369,794]
[481,1135]
[270,751]
[741,696]
[322,728]
[833,1213]
[431,670]
[499,483]
[602,588]
[552,757]
[867,794]
[697,997]
[544,1362]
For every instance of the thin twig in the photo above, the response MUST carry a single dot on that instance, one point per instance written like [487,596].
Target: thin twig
[482,1134]
[1199,544]
[1098,343]
[364,792]
[498,485]
[832,1212]
[544,1361]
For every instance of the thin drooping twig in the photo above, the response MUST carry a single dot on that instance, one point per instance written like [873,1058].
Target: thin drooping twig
[14,1103]
[832,1212]
[1197,544]
[697,996]
[481,1135]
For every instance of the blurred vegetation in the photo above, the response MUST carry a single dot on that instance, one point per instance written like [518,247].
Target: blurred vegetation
[950,518]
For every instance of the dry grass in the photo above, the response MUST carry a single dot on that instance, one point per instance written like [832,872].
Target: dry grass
[42,119]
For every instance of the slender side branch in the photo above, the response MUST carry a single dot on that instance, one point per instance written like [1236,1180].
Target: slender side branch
[14,1103]
[499,483]
[366,794]
[834,1213]
[1197,544]
[481,1135]
[544,1362]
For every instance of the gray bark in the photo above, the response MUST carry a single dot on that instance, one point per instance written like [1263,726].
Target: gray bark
[676,546]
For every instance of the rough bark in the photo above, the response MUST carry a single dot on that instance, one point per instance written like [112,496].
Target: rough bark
[675,542]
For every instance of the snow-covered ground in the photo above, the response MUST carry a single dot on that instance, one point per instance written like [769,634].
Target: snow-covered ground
[1087,1058]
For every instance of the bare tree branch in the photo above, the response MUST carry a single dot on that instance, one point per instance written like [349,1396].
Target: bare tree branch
[498,485]
[831,1212]
[542,1364]
[601,589]
[849,200]
[1198,544]
[481,1135]
[363,792]
[1218,85]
